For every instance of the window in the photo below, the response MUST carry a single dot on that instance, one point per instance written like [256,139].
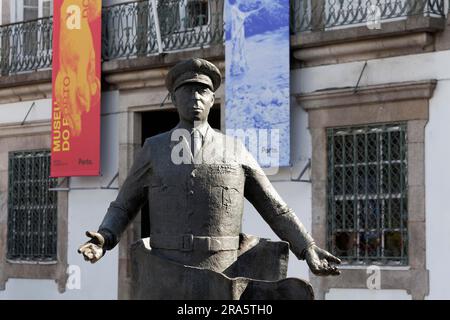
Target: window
[197,13]
[367,194]
[46,7]
[32,208]
[25,10]
[30,9]
[169,17]
[178,16]
[27,45]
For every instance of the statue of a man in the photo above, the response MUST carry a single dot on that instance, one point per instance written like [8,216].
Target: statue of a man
[196,203]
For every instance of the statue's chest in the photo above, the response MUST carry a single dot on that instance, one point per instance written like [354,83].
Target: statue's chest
[197,176]
[198,199]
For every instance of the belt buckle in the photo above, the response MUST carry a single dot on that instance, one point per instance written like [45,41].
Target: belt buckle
[187,242]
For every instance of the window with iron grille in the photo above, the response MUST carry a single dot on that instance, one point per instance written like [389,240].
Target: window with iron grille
[32,208]
[367,194]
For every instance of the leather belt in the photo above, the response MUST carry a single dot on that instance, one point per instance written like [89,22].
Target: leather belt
[189,242]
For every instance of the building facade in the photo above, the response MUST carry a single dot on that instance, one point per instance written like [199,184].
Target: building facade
[369,92]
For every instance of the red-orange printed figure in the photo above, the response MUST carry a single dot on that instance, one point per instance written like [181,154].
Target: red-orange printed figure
[77,84]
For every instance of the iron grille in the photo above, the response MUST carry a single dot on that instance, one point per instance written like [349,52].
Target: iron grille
[314,15]
[367,194]
[32,208]
[129,29]
[26,46]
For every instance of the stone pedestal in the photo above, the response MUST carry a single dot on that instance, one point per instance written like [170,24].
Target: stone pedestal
[259,273]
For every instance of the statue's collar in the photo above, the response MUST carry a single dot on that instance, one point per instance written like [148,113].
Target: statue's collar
[203,128]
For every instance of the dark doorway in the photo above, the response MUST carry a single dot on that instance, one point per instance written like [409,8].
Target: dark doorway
[159,121]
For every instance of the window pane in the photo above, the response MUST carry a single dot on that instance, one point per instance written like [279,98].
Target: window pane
[30,9]
[196,13]
[367,211]
[32,208]
[169,16]
[345,244]
[47,8]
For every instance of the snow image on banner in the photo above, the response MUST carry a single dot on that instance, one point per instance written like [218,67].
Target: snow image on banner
[75,149]
[257,78]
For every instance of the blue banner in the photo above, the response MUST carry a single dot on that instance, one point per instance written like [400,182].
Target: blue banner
[257,77]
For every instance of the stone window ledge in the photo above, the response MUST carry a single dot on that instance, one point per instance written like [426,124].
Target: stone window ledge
[56,272]
[381,267]
[44,263]
[369,95]
[389,280]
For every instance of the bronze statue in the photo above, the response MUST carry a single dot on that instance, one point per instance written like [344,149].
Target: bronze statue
[196,198]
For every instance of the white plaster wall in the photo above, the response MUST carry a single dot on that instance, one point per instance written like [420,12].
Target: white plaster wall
[16,112]
[437,184]
[434,65]
[296,194]
[87,206]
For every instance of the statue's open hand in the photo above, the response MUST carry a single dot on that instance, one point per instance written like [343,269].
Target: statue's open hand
[319,261]
[93,249]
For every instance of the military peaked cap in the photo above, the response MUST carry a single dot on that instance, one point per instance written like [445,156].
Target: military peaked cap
[193,70]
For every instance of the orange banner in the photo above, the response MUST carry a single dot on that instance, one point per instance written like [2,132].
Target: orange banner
[76,88]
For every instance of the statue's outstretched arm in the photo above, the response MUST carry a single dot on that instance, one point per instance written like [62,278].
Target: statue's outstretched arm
[283,221]
[122,211]
[131,198]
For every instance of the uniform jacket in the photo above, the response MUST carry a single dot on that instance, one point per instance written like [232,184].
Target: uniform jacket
[202,199]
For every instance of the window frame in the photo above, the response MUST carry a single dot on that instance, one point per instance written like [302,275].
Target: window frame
[18,10]
[374,104]
[16,137]
[184,15]
[381,195]
[13,215]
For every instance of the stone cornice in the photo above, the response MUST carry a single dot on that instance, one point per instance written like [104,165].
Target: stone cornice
[150,71]
[26,87]
[375,94]
[41,76]
[358,50]
[155,77]
[28,129]
[216,52]
[349,34]
[409,36]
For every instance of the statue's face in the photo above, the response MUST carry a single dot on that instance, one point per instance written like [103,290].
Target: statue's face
[193,101]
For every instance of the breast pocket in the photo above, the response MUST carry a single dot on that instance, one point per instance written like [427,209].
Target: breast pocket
[225,197]
[157,193]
